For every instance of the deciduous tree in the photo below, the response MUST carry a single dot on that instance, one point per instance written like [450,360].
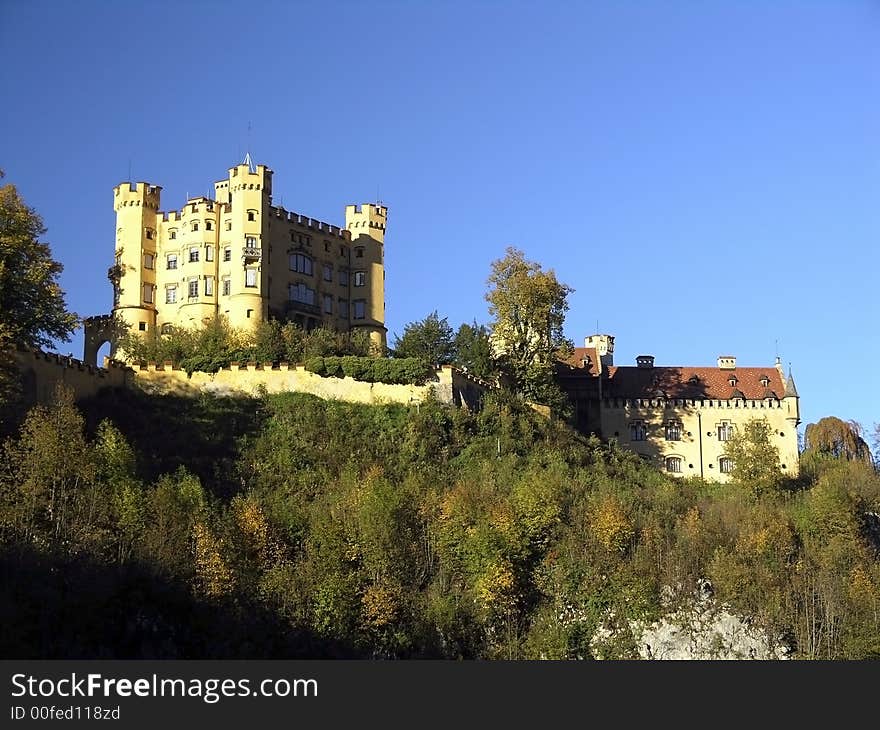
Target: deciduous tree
[430,339]
[32,307]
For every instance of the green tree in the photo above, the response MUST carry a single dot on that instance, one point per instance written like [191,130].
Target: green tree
[528,305]
[32,307]
[755,458]
[430,339]
[473,350]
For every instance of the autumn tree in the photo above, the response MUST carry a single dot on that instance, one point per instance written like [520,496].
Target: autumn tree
[528,307]
[32,307]
[430,339]
[754,457]
[837,439]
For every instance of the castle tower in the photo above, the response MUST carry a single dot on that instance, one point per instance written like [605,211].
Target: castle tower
[247,194]
[366,223]
[133,274]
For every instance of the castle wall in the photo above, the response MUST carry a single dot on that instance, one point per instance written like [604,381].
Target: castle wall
[41,372]
[449,385]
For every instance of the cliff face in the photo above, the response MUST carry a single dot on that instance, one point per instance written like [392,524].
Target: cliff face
[701,629]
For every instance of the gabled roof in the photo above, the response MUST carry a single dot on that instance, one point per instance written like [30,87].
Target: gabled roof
[574,365]
[685,382]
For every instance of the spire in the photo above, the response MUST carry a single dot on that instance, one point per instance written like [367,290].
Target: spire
[249,162]
[790,389]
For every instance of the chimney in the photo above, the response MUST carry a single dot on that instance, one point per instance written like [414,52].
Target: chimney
[645,361]
[727,362]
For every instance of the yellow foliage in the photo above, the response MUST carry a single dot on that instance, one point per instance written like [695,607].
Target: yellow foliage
[611,525]
[212,573]
[494,588]
[380,604]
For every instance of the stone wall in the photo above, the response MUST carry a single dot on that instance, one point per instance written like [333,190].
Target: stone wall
[449,384]
[42,371]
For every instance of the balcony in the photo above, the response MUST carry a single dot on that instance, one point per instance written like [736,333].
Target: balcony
[249,254]
[294,306]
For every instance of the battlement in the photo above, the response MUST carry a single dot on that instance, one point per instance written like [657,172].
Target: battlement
[136,194]
[328,229]
[366,215]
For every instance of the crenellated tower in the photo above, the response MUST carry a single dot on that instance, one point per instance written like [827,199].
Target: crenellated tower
[366,223]
[133,274]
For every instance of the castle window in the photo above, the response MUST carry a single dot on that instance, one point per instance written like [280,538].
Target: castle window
[172,234]
[301,293]
[167,329]
[328,304]
[209,286]
[209,225]
[765,381]
[150,233]
[228,225]
[252,215]
[227,254]
[360,308]
[193,255]
[343,308]
[250,277]
[343,277]
[148,260]
[725,465]
[673,464]
[195,225]
[148,293]
[171,261]
[637,431]
[171,294]
[360,278]
[673,431]
[142,326]
[733,381]
[301,263]
[725,431]
[359,252]
[327,246]
[328,272]
[209,253]
[343,251]
[193,288]
[227,287]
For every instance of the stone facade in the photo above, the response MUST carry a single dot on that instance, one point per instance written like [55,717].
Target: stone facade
[679,418]
[236,254]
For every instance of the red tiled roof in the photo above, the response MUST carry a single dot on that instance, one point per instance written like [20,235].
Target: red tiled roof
[577,358]
[692,382]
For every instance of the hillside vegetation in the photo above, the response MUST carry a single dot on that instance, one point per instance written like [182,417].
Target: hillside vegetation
[288,526]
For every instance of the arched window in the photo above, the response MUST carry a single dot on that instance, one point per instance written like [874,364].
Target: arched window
[637,431]
[167,329]
[195,225]
[673,464]
[673,430]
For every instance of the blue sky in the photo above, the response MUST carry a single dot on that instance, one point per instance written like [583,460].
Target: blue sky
[706,175]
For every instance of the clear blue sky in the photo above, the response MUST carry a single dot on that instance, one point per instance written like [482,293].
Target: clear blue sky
[706,175]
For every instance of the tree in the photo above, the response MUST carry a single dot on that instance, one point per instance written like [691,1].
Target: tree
[32,307]
[528,305]
[755,458]
[431,340]
[838,439]
[473,350]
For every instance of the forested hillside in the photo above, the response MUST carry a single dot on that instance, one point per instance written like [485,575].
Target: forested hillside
[288,526]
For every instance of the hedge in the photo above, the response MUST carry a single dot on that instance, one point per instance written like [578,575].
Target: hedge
[399,371]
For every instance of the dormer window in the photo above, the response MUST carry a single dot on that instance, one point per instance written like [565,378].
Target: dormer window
[733,381]
[765,381]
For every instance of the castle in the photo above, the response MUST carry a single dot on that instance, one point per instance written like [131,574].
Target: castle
[679,418]
[240,256]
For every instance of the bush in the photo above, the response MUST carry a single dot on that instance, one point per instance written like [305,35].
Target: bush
[406,371]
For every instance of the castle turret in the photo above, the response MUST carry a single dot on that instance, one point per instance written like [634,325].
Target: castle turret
[133,274]
[366,223]
[248,192]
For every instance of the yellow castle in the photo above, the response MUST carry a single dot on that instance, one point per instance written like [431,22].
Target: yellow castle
[240,256]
